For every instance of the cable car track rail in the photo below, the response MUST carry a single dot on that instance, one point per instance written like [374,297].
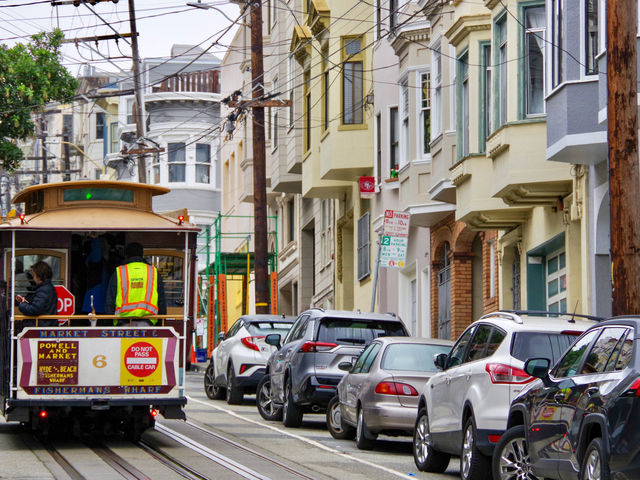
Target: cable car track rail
[221,460]
[249,450]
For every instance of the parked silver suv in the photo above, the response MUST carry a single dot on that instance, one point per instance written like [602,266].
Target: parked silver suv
[304,372]
[463,409]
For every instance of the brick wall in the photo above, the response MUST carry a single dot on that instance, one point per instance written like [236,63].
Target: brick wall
[461,259]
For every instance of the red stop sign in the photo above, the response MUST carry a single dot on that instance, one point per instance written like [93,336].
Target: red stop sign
[66,301]
[141,359]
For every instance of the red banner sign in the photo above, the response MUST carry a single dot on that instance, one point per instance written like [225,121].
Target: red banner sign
[367,187]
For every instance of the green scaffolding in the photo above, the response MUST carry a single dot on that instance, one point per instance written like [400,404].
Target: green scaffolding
[220,262]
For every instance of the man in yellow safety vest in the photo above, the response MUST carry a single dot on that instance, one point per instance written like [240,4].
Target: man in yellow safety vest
[136,289]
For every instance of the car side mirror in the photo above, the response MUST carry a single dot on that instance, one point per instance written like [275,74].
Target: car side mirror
[345,366]
[537,367]
[221,336]
[440,360]
[273,339]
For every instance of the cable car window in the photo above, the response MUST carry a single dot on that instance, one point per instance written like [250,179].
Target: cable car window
[98,194]
[24,279]
[171,268]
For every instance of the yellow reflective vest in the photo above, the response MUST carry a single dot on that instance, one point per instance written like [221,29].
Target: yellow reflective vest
[137,291]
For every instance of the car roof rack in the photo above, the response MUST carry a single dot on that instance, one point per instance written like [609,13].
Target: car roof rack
[503,314]
[555,314]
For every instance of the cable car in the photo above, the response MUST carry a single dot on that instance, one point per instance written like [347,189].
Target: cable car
[87,372]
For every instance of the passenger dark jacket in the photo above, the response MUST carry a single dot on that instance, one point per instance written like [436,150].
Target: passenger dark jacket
[42,301]
[112,291]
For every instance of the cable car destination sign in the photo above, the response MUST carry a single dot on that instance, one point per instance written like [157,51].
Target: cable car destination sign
[395,238]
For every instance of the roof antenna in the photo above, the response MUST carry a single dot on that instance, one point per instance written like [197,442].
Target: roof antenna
[572,319]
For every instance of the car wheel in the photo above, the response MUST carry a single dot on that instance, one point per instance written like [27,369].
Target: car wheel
[426,458]
[511,457]
[473,464]
[595,465]
[264,401]
[337,428]
[365,438]
[213,391]
[291,413]
[234,393]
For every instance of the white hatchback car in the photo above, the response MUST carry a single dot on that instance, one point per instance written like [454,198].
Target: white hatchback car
[238,362]
[463,409]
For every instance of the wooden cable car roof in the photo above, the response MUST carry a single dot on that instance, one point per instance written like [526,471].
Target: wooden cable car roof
[48,207]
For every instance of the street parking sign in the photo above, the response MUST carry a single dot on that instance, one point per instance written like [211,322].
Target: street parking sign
[394,251]
[394,239]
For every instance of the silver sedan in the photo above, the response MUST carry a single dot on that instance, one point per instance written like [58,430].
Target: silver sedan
[380,392]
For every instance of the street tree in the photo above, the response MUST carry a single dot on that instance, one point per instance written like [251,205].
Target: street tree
[31,75]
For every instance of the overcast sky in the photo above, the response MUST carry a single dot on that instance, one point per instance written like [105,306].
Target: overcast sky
[161,23]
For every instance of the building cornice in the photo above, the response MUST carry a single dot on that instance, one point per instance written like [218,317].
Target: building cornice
[301,43]
[465,25]
[319,17]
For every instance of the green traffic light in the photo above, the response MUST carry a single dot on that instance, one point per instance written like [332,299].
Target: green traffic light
[88,196]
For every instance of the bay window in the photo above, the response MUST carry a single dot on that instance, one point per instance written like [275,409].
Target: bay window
[352,81]
[177,162]
[534,19]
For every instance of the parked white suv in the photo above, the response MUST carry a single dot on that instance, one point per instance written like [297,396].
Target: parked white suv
[238,361]
[463,409]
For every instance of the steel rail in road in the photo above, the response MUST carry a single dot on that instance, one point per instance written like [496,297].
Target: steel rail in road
[60,459]
[255,453]
[238,468]
[119,464]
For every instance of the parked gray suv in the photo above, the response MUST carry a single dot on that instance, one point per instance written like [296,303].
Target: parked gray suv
[304,373]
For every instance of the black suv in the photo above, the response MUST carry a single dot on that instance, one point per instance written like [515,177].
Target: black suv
[304,373]
[581,419]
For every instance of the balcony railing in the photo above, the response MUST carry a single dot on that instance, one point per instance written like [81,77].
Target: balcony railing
[205,81]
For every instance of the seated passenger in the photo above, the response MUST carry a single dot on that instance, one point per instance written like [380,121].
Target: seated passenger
[43,300]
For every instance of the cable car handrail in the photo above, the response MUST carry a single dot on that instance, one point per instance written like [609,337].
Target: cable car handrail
[97,316]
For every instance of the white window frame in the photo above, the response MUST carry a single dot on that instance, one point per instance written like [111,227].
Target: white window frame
[393,135]
[436,89]
[556,44]
[364,246]
[405,108]
[452,81]
[502,53]
[183,163]
[534,32]
[197,163]
[420,133]
[557,275]
[583,43]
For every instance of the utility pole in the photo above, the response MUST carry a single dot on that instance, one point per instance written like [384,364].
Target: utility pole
[624,178]
[259,163]
[137,86]
[67,161]
[43,139]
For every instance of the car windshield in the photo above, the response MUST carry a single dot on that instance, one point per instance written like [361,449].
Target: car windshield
[528,345]
[412,357]
[267,328]
[357,332]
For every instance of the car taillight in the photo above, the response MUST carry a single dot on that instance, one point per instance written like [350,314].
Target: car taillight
[501,373]
[250,342]
[574,333]
[317,346]
[396,388]
[634,389]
